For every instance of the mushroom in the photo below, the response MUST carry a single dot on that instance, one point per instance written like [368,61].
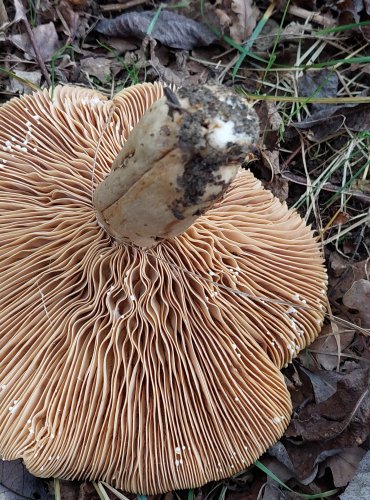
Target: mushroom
[150,293]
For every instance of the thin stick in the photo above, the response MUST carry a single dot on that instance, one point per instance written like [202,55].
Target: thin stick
[36,50]
[310,16]
[121,6]
[328,186]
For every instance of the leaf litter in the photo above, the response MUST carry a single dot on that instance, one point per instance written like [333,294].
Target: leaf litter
[312,154]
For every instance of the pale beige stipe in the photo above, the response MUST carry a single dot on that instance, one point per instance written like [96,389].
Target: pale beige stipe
[151,370]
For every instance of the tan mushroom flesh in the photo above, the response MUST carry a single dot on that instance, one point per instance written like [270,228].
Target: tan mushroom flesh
[138,349]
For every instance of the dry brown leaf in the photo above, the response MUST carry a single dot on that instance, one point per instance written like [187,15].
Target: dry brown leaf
[244,16]
[46,39]
[3,14]
[343,465]
[341,284]
[20,11]
[97,66]
[170,28]
[329,346]
[16,482]
[358,297]
[359,487]
[341,421]
[20,84]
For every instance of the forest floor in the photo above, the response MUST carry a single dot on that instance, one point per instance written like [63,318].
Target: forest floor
[306,66]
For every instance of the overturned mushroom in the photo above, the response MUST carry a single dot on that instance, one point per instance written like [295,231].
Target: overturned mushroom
[145,312]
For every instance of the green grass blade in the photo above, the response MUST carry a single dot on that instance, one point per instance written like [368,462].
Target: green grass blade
[57,489]
[344,27]
[154,20]
[250,42]
[191,494]
[23,81]
[101,491]
[270,474]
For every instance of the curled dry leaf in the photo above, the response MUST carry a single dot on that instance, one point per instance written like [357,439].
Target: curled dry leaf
[344,464]
[170,28]
[267,167]
[341,421]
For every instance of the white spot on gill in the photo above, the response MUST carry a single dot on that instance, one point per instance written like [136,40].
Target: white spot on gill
[95,100]
[292,310]
[278,419]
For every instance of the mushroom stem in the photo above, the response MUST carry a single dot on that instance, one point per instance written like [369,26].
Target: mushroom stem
[177,161]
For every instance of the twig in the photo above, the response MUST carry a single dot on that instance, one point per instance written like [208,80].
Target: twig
[121,6]
[36,50]
[328,186]
[311,16]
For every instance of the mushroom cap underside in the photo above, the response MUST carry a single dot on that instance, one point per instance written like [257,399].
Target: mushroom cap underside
[155,369]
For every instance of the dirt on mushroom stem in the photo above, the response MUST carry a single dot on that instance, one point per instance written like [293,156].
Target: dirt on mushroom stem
[194,144]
